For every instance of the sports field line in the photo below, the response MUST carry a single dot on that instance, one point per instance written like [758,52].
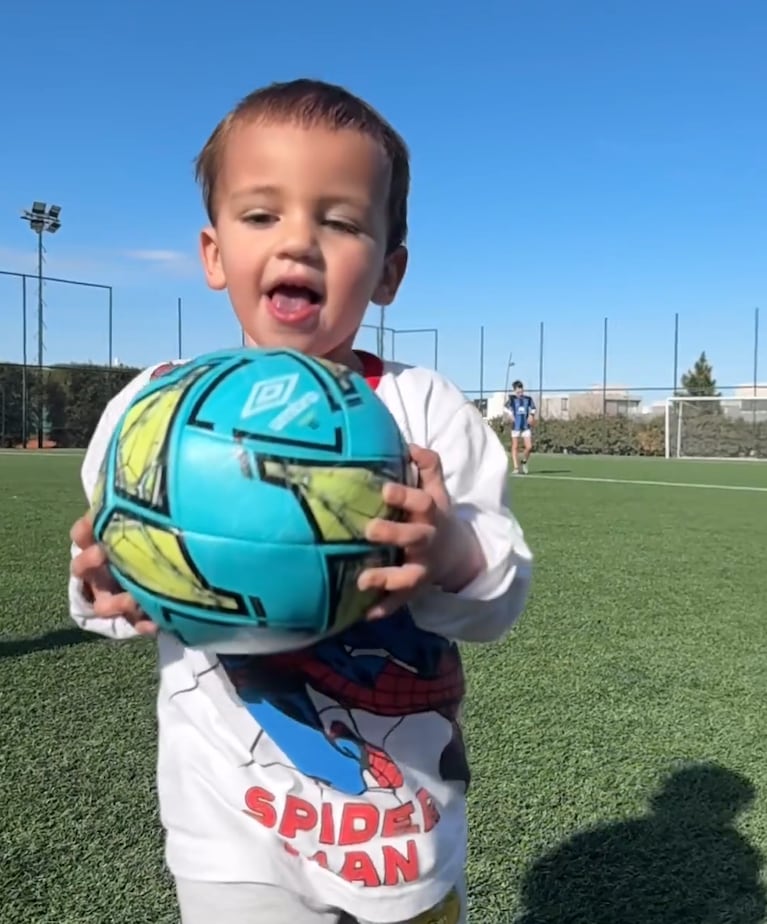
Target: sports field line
[659,484]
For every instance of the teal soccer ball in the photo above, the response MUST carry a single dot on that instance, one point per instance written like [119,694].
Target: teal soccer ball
[234,495]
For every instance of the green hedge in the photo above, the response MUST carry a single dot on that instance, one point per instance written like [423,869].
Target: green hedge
[720,436]
[73,398]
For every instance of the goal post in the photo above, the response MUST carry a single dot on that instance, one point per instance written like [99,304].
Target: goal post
[716,427]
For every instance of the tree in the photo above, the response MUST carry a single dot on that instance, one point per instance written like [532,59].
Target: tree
[699,381]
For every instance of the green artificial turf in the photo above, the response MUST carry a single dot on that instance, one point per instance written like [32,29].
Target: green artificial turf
[618,736]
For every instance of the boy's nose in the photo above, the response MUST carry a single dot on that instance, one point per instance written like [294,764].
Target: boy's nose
[299,240]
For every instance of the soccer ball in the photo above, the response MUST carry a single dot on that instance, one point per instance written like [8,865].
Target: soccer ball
[234,495]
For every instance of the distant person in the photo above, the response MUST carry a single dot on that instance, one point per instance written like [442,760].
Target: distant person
[520,411]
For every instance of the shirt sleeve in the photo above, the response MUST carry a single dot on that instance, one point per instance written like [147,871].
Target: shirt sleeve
[476,470]
[80,607]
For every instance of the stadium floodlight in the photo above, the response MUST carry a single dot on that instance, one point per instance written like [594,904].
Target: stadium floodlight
[40,219]
[716,427]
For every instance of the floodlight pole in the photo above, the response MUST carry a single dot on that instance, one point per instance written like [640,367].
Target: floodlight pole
[24,360]
[509,364]
[41,218]
[40,400]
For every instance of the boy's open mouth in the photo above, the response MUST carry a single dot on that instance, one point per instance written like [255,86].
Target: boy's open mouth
[298,293]
[294,303]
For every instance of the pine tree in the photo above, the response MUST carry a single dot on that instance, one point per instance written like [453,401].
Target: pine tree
[699,381]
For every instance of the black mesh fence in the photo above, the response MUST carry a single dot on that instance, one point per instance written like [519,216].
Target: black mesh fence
[57,405]
[720,428]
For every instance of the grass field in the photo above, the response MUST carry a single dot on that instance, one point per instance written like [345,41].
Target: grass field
[618,737]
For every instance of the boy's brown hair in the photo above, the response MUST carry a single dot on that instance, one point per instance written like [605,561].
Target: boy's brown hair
[309,103]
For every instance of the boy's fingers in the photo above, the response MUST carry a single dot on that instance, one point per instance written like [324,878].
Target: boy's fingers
[414,501]
[114,605]
[430,475]
[425,459]
[145,627]
[409,536]
[403,578]
[108,605]
[82,533]
[142,625]
[390,604]
[88,562]
[102,581]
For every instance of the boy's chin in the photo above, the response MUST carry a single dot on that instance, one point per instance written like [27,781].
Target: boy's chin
[312,342]
[303,342]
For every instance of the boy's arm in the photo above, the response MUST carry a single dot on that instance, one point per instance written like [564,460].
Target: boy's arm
[80,606]
[475,468]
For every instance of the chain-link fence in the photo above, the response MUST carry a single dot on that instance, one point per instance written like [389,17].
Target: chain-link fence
[59,407]
[58,404]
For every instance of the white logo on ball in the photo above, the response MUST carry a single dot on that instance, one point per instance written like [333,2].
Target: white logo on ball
[269,394]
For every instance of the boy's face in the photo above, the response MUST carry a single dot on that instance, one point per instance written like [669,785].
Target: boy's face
[519,390]
[299,240]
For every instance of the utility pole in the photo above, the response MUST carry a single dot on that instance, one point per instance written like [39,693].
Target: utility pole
[41,218]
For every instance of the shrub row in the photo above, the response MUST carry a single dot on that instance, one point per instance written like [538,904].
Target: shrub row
[720,436]
[72,397]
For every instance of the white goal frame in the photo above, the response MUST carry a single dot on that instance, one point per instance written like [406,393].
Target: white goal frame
[674,441]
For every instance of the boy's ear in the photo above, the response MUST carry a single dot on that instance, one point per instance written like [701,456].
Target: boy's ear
[391,277]
[210,257]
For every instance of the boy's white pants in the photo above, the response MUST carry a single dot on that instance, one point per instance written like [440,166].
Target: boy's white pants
[254,903]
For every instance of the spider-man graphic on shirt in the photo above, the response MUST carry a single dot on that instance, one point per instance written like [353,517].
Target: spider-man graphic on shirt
[388,668]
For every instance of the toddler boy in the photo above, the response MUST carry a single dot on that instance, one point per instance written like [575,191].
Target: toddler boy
[328,784]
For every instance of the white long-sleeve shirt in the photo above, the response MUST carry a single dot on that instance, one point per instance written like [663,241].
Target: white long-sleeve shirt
[339,770]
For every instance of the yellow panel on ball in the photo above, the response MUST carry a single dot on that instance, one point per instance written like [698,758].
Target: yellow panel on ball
[341,500]
[153,558]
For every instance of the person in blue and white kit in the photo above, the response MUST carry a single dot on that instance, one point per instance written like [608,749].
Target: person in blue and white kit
[520,411]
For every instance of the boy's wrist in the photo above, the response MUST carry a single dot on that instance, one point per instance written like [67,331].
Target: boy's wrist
[460,559]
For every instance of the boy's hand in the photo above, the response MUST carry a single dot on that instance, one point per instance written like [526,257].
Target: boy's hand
[109,600]
[439,548]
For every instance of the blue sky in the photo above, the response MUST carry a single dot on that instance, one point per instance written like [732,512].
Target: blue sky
[571,161]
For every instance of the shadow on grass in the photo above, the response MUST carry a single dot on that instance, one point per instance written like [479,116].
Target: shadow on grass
[60,638]
[683,863]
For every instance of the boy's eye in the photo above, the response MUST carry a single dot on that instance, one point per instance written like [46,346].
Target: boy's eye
[259,218]
[338,224]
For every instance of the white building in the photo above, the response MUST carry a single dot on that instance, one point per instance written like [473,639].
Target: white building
[748,391]
[615,401]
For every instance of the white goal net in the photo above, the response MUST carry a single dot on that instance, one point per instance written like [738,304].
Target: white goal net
[716,428]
